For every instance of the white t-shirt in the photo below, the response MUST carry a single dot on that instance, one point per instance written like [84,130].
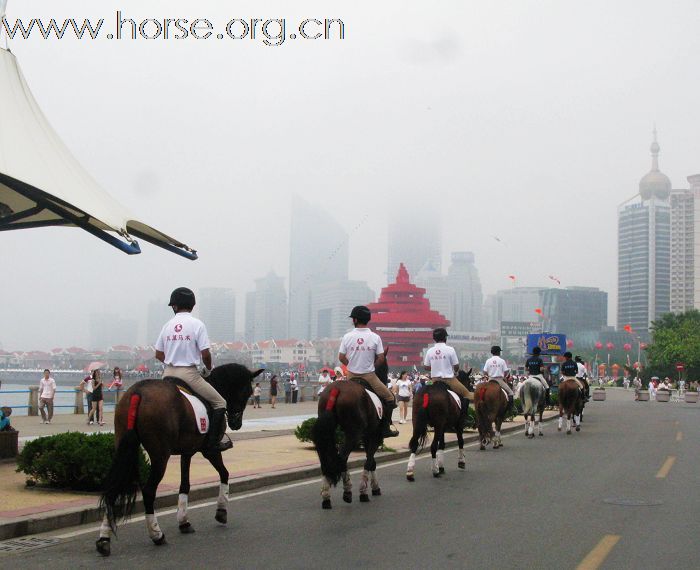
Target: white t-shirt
[441,359]
[183,339]
[47,388]
[361,346]
[496,367]
[404,387]
[582,372]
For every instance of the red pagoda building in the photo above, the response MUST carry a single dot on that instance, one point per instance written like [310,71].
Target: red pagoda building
[403,318]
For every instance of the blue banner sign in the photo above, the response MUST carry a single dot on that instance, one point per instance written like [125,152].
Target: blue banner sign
[549,343]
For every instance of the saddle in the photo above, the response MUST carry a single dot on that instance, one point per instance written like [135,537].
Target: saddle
[201,407]
[501,387]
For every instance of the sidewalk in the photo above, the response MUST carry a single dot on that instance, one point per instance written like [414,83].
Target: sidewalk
[260,457]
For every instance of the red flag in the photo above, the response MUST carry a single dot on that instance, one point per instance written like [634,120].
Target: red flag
[628,328]
[511,277]
[538,311]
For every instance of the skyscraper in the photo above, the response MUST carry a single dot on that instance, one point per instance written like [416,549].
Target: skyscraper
[266,310]
[464,289]
[414,240]
[644,250]
[318,254]
[217,309]
[436,289]
[331,304]
[685,247]
[158,314]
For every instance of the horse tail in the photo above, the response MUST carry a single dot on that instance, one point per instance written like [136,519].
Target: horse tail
[483,417]
[528,391]
[323,436]
[420,428]
[123,479]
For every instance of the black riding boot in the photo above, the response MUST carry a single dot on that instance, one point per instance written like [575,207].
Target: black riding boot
[388,429]
[547,399]
[510,403]
[463,413]
[218,429]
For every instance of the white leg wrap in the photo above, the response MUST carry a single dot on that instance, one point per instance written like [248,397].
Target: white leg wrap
[411,462]
[441,457]
[568,424]
[577,419]
[530,427]
[222,501]
[105,530]
[461,455]
[182,508]
[325,489]
[373,481]
[153,527]
[436,469]
[347,483]
[561,422]
[364,482]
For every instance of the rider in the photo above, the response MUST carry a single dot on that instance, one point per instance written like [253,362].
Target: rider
[496,369]
[360,350]
[569,370]
[582,374]
[183,343]
[442,362]
[534,367]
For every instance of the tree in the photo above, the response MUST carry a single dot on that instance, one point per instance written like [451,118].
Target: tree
[676,338]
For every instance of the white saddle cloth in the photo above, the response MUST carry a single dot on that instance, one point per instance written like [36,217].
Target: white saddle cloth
[377,403]
[200,412]
[456,398]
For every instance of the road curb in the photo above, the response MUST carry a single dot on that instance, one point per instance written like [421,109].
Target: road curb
[75,516]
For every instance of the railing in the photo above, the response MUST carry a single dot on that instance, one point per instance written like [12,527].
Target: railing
[78,407]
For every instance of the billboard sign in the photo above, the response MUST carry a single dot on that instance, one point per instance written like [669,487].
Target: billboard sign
[515,328]
[549,343]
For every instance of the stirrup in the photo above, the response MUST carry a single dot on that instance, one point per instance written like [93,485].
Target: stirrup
[390,431]
[223,445]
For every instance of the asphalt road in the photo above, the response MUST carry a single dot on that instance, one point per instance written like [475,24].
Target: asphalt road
[546,503]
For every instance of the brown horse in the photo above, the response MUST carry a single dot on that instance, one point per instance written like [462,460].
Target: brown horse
[155,415]
[571,403]
[346,404]
[433,406]
[490,404]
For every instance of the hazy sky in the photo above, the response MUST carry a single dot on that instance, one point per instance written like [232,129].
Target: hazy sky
[525,119]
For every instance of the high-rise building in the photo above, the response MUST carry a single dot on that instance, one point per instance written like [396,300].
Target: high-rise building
[331,304]
[685,247]
[318,254]
[435,284]
[109,330]
[217,309]
[574,311]
[644,251]
[518,305]
[266,309]
[414,240]
[464,290]
[158,314]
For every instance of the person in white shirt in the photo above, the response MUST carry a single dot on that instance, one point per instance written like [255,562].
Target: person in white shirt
[496,369]
[183,344]
[582,376]
[47,390]
[323,380]
[442,362]
[361,350]
[403,393]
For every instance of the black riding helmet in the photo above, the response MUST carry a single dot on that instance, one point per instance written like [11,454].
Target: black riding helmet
[183,298]
[440,335]
[578,359]
[567,355]
[361,313]
[495,350]
[536,351]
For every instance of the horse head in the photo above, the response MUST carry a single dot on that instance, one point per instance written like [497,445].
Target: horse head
[235,384]
[466,379]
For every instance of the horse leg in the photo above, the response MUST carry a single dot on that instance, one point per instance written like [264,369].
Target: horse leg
[371,446]
[348,445]
[461,460]
[182,498]
[433,453]
[217,462]
[326,494]
[497,437]
[441,452]
[561,419]
[568,423]
[148,492]
[410,468]
[577,421]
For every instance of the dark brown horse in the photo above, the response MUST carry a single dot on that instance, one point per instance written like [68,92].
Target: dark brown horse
[154,414]
[571,404]
[490,405]
[434,406]
[346,404]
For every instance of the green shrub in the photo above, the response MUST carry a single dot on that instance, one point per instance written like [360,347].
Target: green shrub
[303,431]
[72,460]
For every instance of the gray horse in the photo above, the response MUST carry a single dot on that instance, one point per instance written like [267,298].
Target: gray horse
[532,396]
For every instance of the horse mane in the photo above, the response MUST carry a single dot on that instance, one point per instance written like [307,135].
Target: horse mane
[229,379]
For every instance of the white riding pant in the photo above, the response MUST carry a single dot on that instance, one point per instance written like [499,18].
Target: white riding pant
[502,384]
[540,377]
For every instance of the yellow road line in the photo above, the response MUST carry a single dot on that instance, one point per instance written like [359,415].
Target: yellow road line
[666,467]
[679,436]
[598,555]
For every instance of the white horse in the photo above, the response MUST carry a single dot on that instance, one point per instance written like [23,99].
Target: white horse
[532,396]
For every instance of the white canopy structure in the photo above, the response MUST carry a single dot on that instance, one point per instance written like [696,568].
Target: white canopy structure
[42,184]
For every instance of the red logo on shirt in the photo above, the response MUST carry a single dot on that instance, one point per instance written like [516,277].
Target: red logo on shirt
[178,327]
[437,352]
[360,341]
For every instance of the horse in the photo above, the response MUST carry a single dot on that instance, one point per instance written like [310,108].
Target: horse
[153,413]
[346,404]
[532,395]
[571,402]
[490,404]
[433,406]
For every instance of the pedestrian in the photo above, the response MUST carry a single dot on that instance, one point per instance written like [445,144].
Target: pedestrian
[116,379]
[273,390]
[47,390]
[295,388]
[5,413]
[86,387]
[287,390]
[256,395]
[97,399]
[403,392]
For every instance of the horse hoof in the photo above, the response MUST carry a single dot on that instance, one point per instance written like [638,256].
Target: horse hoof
[410,477]
[461,465]
[578,428]
[186,528]
[568,432]
[441,470]
[541,434]
[376,492]
[347,497]
[103,546]
[326,504]
[364,498]
[436,474]
[160,541]
[482,448]
[558,429]
[221,516]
